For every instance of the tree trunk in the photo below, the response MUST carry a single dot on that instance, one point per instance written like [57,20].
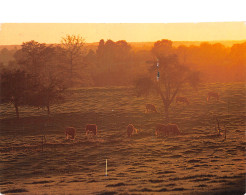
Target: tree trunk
[48,110]
[17,111]
[71,71]
[166,107]
[71,77]
[166,103]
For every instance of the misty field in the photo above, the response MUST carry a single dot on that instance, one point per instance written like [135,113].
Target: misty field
[194,162]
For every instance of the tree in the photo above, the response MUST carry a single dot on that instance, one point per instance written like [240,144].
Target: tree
[16,88]
[237,59]
[173,75]
[182,52]
[90,60]
[47,94]
[113,63]
[31,57]
[6,55]
[43,63]
[74,46]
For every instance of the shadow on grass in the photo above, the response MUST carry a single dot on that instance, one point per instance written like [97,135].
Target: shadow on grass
[56,123]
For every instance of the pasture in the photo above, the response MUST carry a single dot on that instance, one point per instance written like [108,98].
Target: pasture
[194,162]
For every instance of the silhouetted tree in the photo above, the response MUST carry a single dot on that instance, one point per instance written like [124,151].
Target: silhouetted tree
[47,94]
[113,62]
[44,64]
[16,88]
[173,75]
[182,53]
[31,57]
[74,46]
[6,55]
[90,60]
[100,48]
[237,59]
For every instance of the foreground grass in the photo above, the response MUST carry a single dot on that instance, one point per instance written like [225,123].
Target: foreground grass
[196,161]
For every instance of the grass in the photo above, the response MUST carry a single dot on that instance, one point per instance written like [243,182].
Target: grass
[195,153]
[113,109]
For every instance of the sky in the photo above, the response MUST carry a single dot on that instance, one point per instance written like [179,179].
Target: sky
[17,33]
[134,21]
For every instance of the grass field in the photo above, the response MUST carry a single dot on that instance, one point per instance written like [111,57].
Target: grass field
[195,162]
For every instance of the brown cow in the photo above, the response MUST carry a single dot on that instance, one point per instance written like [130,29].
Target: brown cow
[183,100]
[212,94]
[130,130]
[161,130]
[173,129]
[166,130]
[150,108]
[70,131]
[91,128]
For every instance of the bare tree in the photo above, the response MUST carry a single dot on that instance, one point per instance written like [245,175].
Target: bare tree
[167,76]
[74,46]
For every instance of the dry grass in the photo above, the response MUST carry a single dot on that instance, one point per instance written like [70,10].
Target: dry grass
[196,161]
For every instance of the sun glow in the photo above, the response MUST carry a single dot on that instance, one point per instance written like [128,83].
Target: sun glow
[16,33]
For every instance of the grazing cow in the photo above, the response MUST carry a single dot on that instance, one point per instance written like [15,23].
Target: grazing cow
[70,131]
[130,130]
[213,94]
[150,108]
[173,129]
[91,128]
[161,130]
[183,100]
[166,130]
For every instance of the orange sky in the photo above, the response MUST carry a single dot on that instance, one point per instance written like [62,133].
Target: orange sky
[16,33]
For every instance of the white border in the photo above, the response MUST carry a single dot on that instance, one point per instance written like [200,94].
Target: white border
[119,11]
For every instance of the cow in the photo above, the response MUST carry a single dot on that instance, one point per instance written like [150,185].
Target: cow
[212,94]
[166,130]
[161,130]
[183,100]
[150,108]
[91,128]
[130,130]
[70,131]
[173,129]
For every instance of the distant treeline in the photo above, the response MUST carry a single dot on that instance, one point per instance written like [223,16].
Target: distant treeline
[119,63]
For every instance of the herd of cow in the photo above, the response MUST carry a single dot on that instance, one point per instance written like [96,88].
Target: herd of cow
[161,129]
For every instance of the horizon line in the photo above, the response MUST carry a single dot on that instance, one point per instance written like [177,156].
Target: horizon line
[135,41]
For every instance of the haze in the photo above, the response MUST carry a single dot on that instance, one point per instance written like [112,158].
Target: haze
[17,33]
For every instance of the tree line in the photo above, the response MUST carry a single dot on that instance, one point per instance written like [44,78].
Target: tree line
[38,74]
[41,73]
